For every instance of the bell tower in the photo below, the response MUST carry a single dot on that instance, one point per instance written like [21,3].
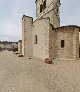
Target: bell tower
[48,8]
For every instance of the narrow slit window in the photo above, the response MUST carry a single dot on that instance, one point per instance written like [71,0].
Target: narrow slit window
[44,4]
[41,7]
[35,40]
[57,9]
[62,43]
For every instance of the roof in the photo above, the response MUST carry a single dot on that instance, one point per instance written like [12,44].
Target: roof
[26,16]
[41,19]
[68,26]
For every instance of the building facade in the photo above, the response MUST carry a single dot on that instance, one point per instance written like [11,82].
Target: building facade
[44,38]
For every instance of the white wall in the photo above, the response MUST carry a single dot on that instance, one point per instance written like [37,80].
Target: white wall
[41,29]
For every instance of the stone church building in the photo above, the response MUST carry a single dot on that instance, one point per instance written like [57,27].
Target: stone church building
[44,38]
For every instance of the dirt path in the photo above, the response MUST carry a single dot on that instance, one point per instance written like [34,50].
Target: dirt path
[24,75]
[14,75]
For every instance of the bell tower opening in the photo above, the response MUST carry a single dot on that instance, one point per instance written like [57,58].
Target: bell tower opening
[41,8]
[44,4]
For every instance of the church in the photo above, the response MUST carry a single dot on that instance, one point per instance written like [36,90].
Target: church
[45,38]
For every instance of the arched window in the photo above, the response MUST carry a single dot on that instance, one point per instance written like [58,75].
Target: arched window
[62,43]
[41,8]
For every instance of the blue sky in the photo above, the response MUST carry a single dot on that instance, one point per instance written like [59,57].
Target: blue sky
[70,12]
[11,12]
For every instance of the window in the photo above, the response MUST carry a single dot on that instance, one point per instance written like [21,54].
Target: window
[35,39]
[57,9]
[62,43]
[41,7]
[44,4]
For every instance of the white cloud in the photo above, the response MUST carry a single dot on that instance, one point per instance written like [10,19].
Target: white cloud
[11,12]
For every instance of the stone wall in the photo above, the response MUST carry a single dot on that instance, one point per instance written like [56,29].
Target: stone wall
[41,29]
[54,20]
[51,11]
[27,48]
[52,39]
[70,35]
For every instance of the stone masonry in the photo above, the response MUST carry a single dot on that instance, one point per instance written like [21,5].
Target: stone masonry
[27,36]
[44,38]
[70,35]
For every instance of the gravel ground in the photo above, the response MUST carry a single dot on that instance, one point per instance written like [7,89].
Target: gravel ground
[24,75]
